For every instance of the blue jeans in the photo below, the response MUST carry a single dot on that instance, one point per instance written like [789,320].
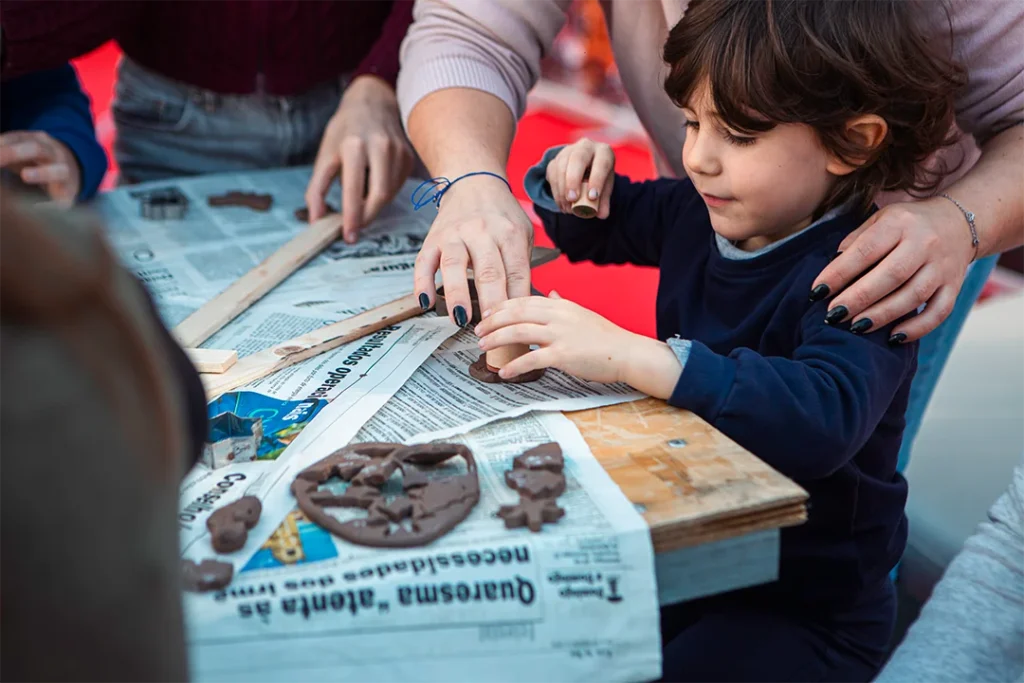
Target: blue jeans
[166,128]
[934,351]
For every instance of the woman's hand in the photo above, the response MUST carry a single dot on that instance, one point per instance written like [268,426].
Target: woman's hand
[910,254]
[39,159]
[479,225]
[363,143]
[571,338]
[567,170]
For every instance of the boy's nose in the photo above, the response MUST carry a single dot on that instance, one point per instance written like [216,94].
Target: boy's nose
[699,156]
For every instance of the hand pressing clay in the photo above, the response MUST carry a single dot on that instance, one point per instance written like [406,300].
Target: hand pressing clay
[229,525]
[538,476]
[427,509]
[208,575]
[252,200]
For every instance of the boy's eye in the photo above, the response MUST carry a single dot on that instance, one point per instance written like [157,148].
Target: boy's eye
[691,124]
[740,140]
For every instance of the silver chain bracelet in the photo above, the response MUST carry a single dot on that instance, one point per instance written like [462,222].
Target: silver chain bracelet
[969,215]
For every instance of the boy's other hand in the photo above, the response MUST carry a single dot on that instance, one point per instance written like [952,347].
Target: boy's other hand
[39,159]
[584,159]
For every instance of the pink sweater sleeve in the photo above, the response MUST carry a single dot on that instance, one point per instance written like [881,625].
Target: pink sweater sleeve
[988,39]
[489,45]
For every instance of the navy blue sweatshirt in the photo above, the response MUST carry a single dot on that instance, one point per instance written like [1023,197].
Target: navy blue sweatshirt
[52,101]
[818,403]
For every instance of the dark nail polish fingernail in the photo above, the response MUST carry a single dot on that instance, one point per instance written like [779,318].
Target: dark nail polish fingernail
[836,255]
[897,338]
[861,326]
[424,301]
[460,316]
[819,292]
[835,315]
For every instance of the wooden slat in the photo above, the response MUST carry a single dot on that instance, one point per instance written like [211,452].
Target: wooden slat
[252,286]
[213,361]
[313,343]
[693,483]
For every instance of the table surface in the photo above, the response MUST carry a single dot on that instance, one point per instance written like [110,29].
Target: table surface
[714,509]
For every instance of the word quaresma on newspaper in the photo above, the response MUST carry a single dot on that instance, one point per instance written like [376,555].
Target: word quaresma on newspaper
[573,602]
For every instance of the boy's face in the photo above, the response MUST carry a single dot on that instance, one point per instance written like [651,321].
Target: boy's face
[757,189]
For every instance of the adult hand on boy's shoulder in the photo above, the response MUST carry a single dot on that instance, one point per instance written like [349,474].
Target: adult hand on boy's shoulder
[39,159]
[910,254]
[579,342]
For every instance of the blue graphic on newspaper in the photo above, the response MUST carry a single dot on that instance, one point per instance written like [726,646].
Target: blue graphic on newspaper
[281,420]
[296,541]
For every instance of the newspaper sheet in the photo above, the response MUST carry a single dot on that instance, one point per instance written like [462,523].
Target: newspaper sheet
[575,602]
[186,262]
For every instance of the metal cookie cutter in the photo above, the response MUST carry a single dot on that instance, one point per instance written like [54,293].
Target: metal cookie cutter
[163,205]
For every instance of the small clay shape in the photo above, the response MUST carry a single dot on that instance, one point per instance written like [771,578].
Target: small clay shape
[251,200]
[229,525]
[531,513]
[302,213]
[547,456]
[208,575]
[536,483]
[482,372]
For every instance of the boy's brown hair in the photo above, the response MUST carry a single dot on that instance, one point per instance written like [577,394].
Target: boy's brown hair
[820,63]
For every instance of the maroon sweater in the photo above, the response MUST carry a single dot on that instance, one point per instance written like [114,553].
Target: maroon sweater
[228,46]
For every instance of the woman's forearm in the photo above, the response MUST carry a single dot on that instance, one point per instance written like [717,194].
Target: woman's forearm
[460,130]
[994,191]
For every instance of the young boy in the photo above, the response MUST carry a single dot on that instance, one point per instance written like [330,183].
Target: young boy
[798,113]
[48,139]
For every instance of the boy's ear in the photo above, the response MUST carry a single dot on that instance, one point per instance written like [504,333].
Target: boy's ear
[867,132]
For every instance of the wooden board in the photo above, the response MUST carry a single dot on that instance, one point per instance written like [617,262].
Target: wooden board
[692,484]
[279,356]
[212,361]
[248,289]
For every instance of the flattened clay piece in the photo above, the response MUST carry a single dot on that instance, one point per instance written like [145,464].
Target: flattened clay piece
[348,462]
[302,213]
[354,496]
[536,483]
[229,525]
[252,200]
[531,513]
[547,456]
[481,373]
[430,508]
[208,575]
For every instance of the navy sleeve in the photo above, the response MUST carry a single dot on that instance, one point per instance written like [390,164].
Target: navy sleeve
[808,415]
[634,232]
[53,102]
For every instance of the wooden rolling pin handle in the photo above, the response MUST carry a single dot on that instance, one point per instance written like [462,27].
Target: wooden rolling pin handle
[585,207]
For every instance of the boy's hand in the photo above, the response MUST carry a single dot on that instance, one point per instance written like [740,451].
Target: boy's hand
[571,338]
[566,172]
[38,159]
